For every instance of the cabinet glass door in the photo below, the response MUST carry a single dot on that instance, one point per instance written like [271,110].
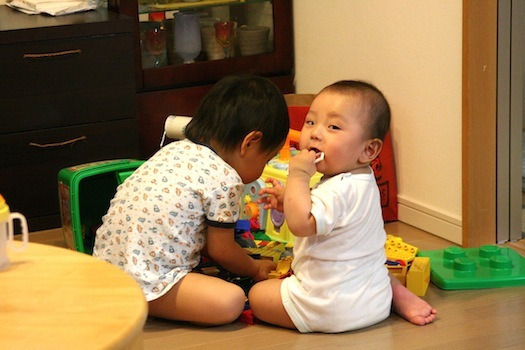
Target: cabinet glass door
[174,33]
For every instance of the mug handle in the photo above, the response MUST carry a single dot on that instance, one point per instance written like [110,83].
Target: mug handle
[25,232]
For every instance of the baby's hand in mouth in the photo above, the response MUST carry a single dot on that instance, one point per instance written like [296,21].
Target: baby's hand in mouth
[319,156]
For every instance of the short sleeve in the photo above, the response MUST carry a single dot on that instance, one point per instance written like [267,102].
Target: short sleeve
[223,204]
[328,205]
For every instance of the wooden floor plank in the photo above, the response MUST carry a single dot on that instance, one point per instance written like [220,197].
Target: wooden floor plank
[467,319]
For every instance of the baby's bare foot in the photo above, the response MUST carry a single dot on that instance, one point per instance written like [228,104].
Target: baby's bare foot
[411,307]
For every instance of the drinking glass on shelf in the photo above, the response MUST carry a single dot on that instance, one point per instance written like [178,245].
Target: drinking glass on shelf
[225,33]
[155,41]
[187,36]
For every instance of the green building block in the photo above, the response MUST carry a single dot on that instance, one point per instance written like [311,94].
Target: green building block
[488,266]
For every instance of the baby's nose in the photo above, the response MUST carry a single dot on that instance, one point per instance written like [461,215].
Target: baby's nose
[316,133]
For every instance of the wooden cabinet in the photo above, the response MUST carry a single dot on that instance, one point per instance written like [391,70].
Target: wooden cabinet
[67,96]
[177,88]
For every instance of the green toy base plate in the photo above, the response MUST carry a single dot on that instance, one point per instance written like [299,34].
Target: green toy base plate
[488,266]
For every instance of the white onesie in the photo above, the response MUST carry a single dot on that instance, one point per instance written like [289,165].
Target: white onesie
[340,282]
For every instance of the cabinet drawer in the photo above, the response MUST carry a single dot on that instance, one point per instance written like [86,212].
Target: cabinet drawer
[66,82]
[31,161]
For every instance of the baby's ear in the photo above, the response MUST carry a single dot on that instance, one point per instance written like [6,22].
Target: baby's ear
[253,138]
[371,150]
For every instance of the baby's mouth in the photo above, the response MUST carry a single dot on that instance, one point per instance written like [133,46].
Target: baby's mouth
[319,156]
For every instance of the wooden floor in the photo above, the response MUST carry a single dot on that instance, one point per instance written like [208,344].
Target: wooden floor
[467,319]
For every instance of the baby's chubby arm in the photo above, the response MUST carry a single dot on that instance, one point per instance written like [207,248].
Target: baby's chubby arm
[272,197]
[222,248]
[297,198]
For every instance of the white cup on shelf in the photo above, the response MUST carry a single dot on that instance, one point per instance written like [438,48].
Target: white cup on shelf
[253,40]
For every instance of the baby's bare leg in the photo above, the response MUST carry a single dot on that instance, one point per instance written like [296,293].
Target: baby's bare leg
[265,302]
[200,299]
[409,306]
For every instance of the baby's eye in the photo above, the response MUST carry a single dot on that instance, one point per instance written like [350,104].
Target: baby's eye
[334,127]
[308,122]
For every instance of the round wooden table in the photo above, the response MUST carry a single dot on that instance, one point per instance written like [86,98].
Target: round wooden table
[56,298]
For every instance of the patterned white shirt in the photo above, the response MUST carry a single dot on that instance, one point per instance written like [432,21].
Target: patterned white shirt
[156,224]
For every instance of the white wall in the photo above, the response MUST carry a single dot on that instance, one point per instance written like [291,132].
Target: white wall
[412,51]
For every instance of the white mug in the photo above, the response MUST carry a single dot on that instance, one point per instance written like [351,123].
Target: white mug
[7,237]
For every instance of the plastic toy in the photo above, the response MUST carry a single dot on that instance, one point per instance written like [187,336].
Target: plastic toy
[488,266]
[284,267]
[397,250]
[319,157]
[273,252]
[418,276]
[273,221]
[7,233]
[399,271]
[247,317]
[85,191]
[251,210]
[243,235]
[411,271]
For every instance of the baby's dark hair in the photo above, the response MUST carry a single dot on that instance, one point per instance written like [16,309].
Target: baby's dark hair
[237,105]
[374,102]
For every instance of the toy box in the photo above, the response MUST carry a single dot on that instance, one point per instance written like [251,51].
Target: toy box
[85,191]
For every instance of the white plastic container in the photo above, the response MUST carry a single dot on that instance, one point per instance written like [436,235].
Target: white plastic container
[7,233]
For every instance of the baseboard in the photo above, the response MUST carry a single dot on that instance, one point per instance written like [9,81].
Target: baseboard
[429,220]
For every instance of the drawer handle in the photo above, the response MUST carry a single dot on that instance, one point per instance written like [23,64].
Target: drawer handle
[52,54]
[57,144]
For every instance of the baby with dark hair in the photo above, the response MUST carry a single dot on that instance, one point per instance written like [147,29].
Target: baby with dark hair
[185,200]
[339,281]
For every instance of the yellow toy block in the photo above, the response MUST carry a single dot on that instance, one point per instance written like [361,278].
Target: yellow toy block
[418,276]
[275,246]
[273,254]
[283,267]
[397,250]
[400,272]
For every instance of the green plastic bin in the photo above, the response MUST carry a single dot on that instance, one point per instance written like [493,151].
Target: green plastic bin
[85,191]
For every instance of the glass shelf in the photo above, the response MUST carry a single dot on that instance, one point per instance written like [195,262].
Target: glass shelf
[166,41]
[170,72]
